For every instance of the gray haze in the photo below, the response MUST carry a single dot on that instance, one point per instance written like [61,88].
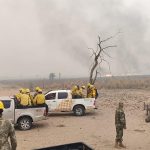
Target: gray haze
[42,36]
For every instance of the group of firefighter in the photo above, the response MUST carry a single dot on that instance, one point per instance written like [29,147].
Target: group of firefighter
[25,99]
[83,92]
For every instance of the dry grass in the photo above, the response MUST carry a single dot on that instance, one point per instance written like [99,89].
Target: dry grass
[125,83]
[134,82]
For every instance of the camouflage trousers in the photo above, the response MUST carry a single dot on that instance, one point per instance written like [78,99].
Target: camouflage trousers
[6,146]
[119,133]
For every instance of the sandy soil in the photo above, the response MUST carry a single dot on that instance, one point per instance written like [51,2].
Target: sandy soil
[95,129]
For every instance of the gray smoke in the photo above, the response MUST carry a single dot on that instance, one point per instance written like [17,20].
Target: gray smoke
[42,36]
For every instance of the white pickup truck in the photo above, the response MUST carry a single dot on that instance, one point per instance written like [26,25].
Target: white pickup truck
[61,101]
[23,118]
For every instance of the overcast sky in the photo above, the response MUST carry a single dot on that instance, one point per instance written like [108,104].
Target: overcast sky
[42,36]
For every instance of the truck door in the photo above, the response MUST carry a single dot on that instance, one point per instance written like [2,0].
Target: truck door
[64,102]
[51,101]
[9,110]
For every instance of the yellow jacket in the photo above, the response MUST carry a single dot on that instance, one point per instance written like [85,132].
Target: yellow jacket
[94,92]
[73,91]
[91,93]
[76,92]
[18,95]
[81,92]
[31,97]
[25,100]
[39,99]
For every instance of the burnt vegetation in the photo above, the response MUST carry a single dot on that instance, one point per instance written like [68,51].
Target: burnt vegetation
[99,56]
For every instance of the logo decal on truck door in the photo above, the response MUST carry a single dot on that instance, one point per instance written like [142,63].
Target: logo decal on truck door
[65,105]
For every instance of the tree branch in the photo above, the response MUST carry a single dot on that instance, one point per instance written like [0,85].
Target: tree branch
[110,37]
[107,54]
[94,53]
[109,47]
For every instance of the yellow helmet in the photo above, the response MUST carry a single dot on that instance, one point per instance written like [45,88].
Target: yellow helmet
[37,88]
[1,105]
[89,84]
[75,87]
[83,87]
[27,91]
[21,90]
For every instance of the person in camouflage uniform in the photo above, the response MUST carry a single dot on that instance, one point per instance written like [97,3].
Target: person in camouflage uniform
[6,131]
[120,123]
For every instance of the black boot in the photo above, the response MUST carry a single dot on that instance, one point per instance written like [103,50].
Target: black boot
[117,144]
[121,144]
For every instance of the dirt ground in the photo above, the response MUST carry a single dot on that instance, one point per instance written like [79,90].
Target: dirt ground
[95,129]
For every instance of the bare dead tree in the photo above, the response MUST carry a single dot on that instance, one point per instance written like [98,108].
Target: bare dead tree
[99,58]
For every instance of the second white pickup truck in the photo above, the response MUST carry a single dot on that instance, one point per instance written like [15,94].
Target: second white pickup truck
[61,101]
[23,118]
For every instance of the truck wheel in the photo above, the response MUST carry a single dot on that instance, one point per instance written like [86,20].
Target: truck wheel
[25,123]
[79,110]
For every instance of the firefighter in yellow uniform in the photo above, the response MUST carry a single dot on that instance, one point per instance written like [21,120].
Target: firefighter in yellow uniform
[91,93]
[28,93]
[81,91]
[36,91]
[25,100]
[39,100]
[18,95]
[88,90]
[73,91]
[76,92]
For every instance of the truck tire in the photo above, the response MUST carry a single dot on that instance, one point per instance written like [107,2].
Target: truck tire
[79,110]
[25,123]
